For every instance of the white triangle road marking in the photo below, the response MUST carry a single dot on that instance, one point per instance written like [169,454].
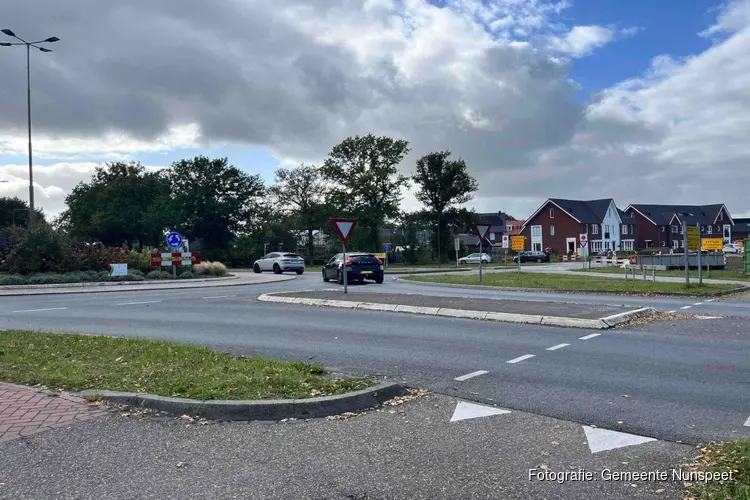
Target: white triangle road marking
[465,411]
[603,439]
[345,227]
[747,424]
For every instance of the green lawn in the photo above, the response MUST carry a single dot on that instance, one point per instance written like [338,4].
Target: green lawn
[716,274]
[565,282]
[78,362]
[732,457]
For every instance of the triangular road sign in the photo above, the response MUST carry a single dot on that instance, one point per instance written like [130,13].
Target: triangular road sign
[482,230]
[344,227]
[465,411]
[603,439]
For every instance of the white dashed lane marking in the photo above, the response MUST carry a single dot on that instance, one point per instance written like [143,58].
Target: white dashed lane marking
[671,312]
[139,303]
[219,297]
[686,307]
[590,336]
[471,375]
[521,358]
[698,304]
[556,347]
[40,310]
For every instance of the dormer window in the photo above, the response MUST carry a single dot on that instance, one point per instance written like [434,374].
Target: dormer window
[721,215]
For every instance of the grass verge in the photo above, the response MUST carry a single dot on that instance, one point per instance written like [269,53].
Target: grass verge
[77,362]
[715,274]
[564,282]
[731,457]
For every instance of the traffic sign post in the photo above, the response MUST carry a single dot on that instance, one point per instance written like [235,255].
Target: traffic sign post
[517,245]
[387,247]
[685,248]
[700,251]
[482,231]
[174,241]
[583,241]
[344,227]
[456,247]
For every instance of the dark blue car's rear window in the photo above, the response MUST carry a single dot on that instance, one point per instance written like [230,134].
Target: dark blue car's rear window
[364,259]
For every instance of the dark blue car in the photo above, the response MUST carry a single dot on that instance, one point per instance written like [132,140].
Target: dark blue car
[360,266]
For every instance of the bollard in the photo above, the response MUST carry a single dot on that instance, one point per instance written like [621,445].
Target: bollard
[653,273]
[644,274]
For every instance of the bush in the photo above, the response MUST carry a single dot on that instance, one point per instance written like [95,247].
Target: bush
[13,280]
[158,275]
[138,261]
[135,272]
[127,277]
[39,250]
[210,269]
[186,275]
[46,279]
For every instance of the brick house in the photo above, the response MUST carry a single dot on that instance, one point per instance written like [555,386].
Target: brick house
[741,229]
[660,226]
[513,227]
[558,224]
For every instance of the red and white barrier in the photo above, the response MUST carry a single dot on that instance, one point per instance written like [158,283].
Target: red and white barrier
[169,259]
[569,258]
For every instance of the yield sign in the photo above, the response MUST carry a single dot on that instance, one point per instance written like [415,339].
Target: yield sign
[344,227]
[482,230]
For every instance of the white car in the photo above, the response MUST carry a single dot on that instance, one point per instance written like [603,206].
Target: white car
[474,258]
[280,262]
[732,248]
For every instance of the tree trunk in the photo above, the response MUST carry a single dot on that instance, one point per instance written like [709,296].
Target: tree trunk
[310,246]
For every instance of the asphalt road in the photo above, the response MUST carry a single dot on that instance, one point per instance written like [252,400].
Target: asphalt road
[415,451]
[687,381]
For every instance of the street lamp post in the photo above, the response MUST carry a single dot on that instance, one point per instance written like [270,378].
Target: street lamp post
[28,45]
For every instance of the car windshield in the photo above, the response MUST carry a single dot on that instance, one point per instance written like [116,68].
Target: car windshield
[292,256]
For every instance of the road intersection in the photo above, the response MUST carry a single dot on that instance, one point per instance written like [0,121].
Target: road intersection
[685,380]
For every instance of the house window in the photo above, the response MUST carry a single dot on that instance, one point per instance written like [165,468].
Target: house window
[676,244]
[492,236]
[663,244]
[649,243]
[536,230]
[702,229]
[610,211]
[709,229]
[596,245]
[663,229]
[551,212]
[627,245]
[624,229]
[606,232]
[675,229]
[721,215]
[594,228]
[552,230]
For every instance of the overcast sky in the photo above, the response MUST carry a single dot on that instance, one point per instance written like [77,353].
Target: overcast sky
[505,84]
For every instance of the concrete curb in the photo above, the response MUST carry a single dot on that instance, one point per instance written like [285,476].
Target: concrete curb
[245,410]
[531,319]
[578,292]
[138,286]
[431,271]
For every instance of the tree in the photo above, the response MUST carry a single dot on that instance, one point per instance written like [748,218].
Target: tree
[15,212]
[442,184]
[300,195]
[212,201]
[365,183]
[118,205]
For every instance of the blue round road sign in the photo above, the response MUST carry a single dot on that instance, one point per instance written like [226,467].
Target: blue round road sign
[174,240]
[387,247]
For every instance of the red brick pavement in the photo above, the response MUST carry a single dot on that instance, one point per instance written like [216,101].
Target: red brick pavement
[25,411]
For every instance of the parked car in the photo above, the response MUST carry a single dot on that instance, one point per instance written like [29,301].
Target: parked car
[280,262]
[532,256]
[475,258]
[732,248]
[360,266]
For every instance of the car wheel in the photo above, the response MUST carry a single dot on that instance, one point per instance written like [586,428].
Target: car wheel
[538,261]
[300,271]
[325,277]
[276,269]
[256,269]
[339,277]
[379,280]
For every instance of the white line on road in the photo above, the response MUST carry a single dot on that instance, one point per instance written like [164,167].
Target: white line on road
[219,297]
[556,347]
[471,375]
[698,304]
[686,307]
[591,336]
[710,300]
[139,303]
[671,312]
[708,317]
[521,358]
[40,310]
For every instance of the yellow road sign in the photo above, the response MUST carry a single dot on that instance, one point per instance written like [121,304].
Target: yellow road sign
[693,238]
[380,256]
[517,242]
[712,243]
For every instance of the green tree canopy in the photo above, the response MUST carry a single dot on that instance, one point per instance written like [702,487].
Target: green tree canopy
[364,182]
[212,201]
[442,183]
[300,195]
[117,205]
[15,211]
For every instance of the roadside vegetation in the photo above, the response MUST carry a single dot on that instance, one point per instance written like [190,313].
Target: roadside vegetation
[77,362]
[564,282]
[732,457]
[715,274]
